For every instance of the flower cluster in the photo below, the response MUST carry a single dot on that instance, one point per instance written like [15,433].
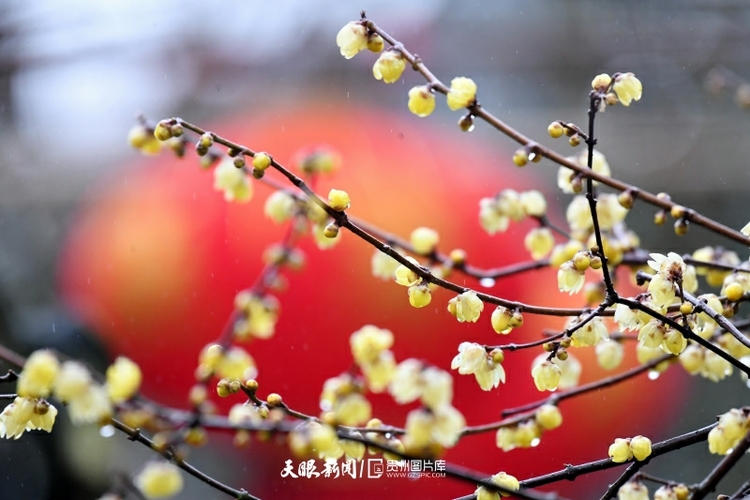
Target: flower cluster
[528,433]
[343,398]
[732,427]
[257,315]
[72,383]
[554,373]
[474,359]
[496,213]
[622,450]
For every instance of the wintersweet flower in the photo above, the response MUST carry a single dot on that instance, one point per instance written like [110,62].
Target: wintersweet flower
[590,333]
[633,490]
[609,354]
[490,218]
[628,88]
[746,229]
[405,276]
[424,240]
[338,200]
[599,165]
[641,447]
[379,372]
[601,82]
[570,279]
[280,206]
[26,414]
[368,342]
[232,181]
[466,307]
[732,427]
[436,387]
[38,374]
[389,67]
[501,479]
[501,319]
[626,318]
[123,379]
[472,358]
[463,93]
[352,39]
[539,242]
[421,101]
[406,384]
[546,375]
[548,417]
[533,203]
[383,266]
[620,451]
[666,493]
[159,480]
[419,295]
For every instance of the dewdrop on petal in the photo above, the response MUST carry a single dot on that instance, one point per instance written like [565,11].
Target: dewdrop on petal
[628,88]
[463,93]
[159,480]
[389,67]
[421,101]
[352,39]
[424,240]
[123,379]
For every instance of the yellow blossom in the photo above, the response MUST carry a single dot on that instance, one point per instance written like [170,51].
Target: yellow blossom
[609,354]
[368,342]
[599,165]
[548,417]
[236,363]
[406,384]
[500,319]
[421,101]
[352,39]
[539,242]
[466,307]
[590,333]
[72,381]
[91,406]
[159,480]
[140,138]
[641,447]
[424,240]
[338,200]
[379,372]
[490,218]
[405,276]
[600,83]
[232,181]
[533,202]
[628,88]
[383,266]
[389,66]
[26,414]
[38,374]
[472,358]
[546,375]
[501,479]
[620,451]
[436,387]
[123,379]
[633,490]
[463,93]
[280,206]
[419,296]
[570,279]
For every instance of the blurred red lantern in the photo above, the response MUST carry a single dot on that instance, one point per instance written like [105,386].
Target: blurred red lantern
[155,257]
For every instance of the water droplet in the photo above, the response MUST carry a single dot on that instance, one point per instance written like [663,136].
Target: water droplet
[107,431]
[487,282]
[470,128]
[653,375]
[535,442]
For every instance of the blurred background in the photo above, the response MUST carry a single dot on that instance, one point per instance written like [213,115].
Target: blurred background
[74,75]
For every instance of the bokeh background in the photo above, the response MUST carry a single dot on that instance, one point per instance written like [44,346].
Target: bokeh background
[74,75]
